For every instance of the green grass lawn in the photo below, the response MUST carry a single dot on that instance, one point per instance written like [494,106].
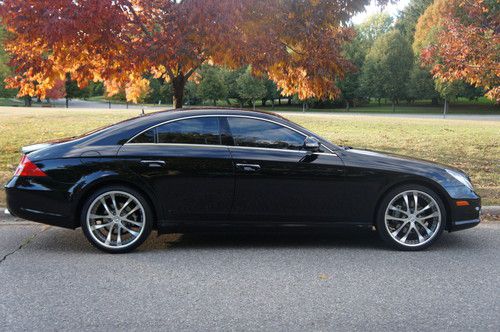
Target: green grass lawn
[473,146]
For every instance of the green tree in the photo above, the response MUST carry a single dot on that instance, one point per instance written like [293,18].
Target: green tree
[387,67]
[159,92]
[250,88]
[366,33]
[373,27]
[272,92]
[212,86]
[421,85]
[449,91]
[230,80]
[191,95]
[408,17]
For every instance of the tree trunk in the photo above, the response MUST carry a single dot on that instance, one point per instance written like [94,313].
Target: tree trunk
[279,101]
[27,101]
[289,100]
[394,105]
[272,103]
[347,105]
[445,109]
[434,101]
[253,103]
[178,84]
[379,101]
[67,102]
[264,101]
[215,102]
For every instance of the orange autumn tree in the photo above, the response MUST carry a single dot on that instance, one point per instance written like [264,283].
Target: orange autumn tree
[460,40]
[297,43]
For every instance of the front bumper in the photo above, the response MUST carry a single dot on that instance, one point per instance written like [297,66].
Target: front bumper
[464,217]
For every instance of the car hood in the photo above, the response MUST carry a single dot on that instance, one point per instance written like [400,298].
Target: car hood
[390,160]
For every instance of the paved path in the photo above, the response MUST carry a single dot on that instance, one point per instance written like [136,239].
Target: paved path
[78,103]
[52,279]
[398,115]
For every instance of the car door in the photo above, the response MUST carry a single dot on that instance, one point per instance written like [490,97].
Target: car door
[187,167]
[276,180]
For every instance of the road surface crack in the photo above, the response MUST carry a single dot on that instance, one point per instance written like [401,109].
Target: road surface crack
[23,244]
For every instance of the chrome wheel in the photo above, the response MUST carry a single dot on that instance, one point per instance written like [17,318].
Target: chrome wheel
[412,218]
[115,219]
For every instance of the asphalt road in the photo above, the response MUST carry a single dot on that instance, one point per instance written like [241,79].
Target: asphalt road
[79,103]
[52,279]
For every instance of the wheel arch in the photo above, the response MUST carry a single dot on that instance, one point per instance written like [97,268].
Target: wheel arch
[106,182]
[440,191]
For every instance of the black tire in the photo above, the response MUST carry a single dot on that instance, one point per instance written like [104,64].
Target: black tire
[138,240]
[383,231]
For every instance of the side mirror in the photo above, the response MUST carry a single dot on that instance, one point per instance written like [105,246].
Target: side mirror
[311,144]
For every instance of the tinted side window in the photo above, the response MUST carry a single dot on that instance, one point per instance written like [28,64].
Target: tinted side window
[145,137]
[190,131]
[258,133]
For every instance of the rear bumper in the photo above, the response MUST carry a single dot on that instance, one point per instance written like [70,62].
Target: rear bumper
[30,200]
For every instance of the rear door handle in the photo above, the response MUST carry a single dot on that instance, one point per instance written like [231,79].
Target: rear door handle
[154,163]
[248,167]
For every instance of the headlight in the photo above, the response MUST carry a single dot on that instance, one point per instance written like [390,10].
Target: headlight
[460,177]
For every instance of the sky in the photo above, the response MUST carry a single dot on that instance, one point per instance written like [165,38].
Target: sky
[391,8]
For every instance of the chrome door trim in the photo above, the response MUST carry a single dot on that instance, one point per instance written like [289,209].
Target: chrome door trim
[229,115]
[229,147]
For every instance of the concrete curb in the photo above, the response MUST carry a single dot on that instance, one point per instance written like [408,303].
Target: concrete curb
[493,210]
[8,219]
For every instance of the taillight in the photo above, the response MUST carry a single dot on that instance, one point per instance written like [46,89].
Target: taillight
[27,168]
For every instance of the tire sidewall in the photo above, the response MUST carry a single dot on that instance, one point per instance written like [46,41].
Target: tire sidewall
[380,221]
[148,223]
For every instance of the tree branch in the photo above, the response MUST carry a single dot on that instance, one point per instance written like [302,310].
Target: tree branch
[138,21]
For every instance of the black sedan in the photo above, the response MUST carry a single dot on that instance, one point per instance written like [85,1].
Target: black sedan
[175,171]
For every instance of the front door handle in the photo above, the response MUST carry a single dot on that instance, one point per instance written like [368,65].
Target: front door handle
[154,163]
[248,167]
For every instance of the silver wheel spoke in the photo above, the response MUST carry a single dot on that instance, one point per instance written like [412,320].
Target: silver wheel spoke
[392,207]
[415,198]
[124,205]
[408,231]
[131,211]
[435,214]
[396,232]
[96,227]
[119,237]
[427,229]
[405,197]
[428,206]
[395,218]
[103,202]
[134,233]
[97,216]
[108,238]
[420,237]
[133,222]
[113,199]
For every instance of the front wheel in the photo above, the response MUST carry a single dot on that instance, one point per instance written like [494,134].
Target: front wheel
[116,219]
[411,217]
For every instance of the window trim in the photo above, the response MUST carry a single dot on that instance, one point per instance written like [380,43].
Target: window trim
[215,145]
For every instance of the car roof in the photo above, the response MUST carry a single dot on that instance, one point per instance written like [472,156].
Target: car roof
[181,112]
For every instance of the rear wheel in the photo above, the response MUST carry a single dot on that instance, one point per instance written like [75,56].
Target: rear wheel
[116,219]
[411,217]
